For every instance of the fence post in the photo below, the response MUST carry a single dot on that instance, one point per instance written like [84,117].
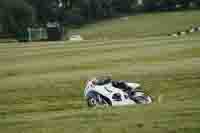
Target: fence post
[29,34]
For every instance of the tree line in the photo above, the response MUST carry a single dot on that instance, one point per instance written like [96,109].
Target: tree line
[18,14]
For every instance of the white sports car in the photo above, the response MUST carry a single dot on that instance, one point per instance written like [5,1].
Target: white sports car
[104,91]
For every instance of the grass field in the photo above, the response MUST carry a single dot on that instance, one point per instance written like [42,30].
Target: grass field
[41,85]
[142,25]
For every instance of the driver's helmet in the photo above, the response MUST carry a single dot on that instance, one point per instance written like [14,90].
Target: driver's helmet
[102,80]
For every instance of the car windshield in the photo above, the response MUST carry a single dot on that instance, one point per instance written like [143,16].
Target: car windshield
[103,81]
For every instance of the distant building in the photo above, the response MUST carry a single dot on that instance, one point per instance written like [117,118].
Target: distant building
[55,31]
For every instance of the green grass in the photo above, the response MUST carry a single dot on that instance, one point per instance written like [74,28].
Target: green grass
[143,25]
[41,86]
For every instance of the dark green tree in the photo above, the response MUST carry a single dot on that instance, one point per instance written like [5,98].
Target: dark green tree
[16,15]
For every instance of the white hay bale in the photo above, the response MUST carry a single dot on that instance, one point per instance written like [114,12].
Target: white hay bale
[75,38]
[198,28]
[124,18]
[192,30]
[183,33]
[175,35]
